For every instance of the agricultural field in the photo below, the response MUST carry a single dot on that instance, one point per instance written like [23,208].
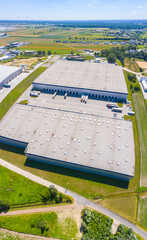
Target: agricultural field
[45,39]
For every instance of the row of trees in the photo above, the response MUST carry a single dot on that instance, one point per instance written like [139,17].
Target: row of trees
[53,196]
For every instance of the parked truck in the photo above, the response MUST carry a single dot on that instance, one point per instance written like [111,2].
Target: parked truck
[111,105]
[114,109]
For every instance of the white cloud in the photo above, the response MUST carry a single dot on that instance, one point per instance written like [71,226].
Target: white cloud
[140,6]
[90,5]
[115,7]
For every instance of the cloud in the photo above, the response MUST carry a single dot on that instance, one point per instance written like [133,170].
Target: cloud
[140,6]
[115,7]
[134,12]
[90,5]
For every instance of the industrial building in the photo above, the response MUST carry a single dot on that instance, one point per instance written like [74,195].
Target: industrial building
[7,74]
[98,80]
[81,141]
[143,81]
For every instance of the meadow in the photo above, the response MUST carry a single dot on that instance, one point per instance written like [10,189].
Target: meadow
[47,225]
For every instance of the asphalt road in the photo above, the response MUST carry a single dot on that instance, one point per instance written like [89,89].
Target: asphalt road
[79,200]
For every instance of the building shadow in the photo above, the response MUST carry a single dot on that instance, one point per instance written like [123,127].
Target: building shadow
[10,148]
[77,174]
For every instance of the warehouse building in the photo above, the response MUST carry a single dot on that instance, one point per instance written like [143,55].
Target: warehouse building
[143,81]
[7,74]
[98,80]
[75,140]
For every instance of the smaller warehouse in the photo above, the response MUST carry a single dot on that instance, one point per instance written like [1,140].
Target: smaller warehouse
[8,73]
[143,81]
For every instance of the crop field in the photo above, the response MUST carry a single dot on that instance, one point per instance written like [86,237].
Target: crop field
[55,48]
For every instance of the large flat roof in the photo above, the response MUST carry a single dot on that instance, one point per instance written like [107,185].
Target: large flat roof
[80,138]
[5,71]
[87,75]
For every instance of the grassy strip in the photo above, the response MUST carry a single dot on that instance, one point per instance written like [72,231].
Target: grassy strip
[141,117]
[143,213]
[136,142]
[11,98]
[47,225]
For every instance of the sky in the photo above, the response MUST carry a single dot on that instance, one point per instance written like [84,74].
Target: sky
[72,9]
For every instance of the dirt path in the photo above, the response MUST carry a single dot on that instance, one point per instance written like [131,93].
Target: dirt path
[4,233]
[39,210]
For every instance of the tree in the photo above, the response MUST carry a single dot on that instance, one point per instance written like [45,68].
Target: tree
[49,53]
[53,192]
[4,206]
[46,195]
[72,53]
[59,198]
[42,225]
[111,58]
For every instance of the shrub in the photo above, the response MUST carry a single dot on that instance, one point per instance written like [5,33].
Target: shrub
[137,87]
[4,206]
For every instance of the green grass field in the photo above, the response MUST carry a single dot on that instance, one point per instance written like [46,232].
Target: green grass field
[11,98]
[141,117]
[30,224]
[17,189]
[118,205]
[143,213]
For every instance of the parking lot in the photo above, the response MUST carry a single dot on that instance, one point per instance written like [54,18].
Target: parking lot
[93,106]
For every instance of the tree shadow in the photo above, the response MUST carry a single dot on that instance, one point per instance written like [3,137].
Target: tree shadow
[10,148]
[77,174]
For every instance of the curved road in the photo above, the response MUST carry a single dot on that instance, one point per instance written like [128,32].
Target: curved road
[79,200]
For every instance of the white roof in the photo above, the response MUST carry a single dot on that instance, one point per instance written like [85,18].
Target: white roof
[85,75]
[144,84]
[5,71]
[93,141]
